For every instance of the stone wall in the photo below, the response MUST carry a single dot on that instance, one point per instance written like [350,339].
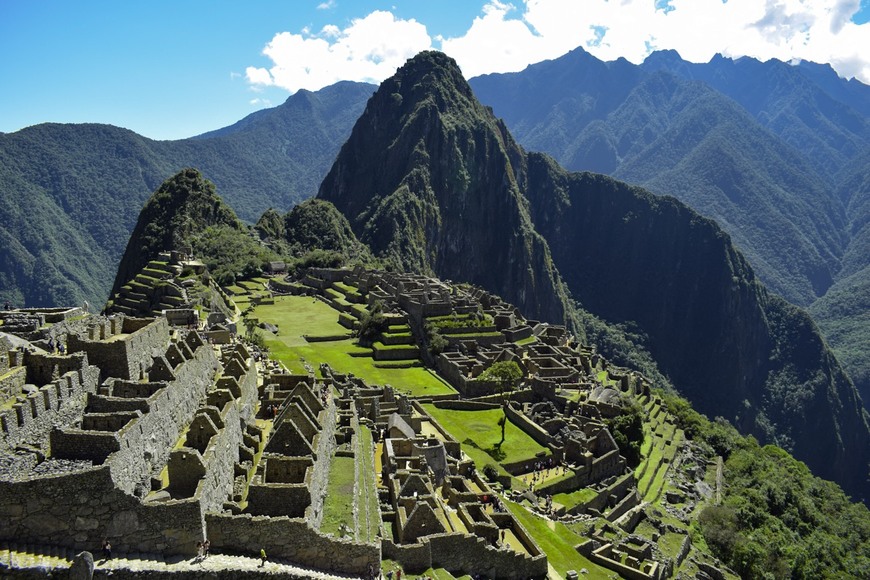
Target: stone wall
[293,539]
[414,558]
[147,445]
[220,458]
[463,554]
[11,380]
[528,426]
[127,357]
[58,403]
[77,510]
[142,445]
[320,470]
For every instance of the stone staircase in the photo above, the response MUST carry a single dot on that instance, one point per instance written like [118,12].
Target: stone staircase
[31,561]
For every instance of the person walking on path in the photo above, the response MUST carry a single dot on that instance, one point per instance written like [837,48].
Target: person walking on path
[107,549]
[262,557]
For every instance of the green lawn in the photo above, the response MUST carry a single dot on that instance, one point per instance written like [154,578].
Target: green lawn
[338,503]
[569,500]
[557,542]
[482,428]
[369,511]
[299,315]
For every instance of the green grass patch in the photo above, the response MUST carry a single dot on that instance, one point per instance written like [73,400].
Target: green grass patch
[251,285]
[367,494]
[527,340]
[558,542]
[298,315]
[346,288]
[473,335]
[670,543]
[577,497]
[338,503]
[482,428]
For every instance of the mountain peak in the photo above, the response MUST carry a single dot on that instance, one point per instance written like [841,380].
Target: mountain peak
[428,75]
[184,205]
[429,181]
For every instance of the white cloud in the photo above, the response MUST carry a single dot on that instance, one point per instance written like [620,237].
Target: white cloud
[508,37]
[369,49]
[326,5]
[260,102]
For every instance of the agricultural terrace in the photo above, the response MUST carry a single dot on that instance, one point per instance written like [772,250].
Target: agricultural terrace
[300,316]
[559,542]
[661,439]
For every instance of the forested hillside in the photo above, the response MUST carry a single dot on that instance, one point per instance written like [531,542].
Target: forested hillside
[431,181]
[70,194]
[773,152]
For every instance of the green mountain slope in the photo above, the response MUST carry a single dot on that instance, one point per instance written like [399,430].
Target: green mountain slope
[711,155]
[825,118]
[843,313]
[424,180]
[430,180]
[683,138]
[773,152]
[182,208]
[83,185]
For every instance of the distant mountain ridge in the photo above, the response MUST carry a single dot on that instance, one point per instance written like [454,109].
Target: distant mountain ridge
[772,151]
[427,169]
[70,194]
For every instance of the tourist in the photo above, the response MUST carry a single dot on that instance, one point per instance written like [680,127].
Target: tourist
[262,557]
[206,546]
[107,549]
[199,550]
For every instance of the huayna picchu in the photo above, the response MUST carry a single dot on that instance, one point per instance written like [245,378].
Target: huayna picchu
[430,180]
[459,360]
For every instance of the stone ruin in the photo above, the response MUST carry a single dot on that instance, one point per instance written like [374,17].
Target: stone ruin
[159,437]
[148,436]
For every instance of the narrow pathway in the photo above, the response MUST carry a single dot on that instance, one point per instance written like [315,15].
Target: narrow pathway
[49,558]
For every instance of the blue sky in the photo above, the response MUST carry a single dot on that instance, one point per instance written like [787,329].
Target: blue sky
[173,69]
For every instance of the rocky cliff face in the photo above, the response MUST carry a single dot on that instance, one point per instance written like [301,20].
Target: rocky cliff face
[731,347]
[427,181]
[433,182]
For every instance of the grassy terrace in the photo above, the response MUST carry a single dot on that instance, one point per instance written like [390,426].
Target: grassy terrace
[569,500]
[367,494]
[558,542]
[338,503]
[482,428]
[661,441]
[300,315]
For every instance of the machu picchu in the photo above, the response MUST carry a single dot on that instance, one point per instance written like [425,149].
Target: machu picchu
[458,360]
[161,432]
